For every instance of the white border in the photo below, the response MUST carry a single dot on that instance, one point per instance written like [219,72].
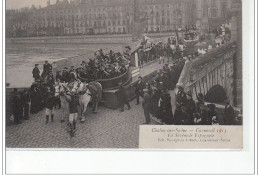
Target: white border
[154,162]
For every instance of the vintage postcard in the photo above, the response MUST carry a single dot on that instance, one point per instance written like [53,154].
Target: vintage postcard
[139,74]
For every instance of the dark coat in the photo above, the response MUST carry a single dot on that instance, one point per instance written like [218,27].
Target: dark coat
[178,116]
[16,104]
[66,76]
[47,67]
[36,72]
[167,116]
[139,87]
[191,107]
[229,115]
[146,102]
[49,100]
[73,104]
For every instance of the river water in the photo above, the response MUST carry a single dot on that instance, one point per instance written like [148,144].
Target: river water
[21,58]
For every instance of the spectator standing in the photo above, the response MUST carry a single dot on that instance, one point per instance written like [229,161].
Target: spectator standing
[73,109]
[146,106]
[190,108]
[54,70]
[58,76]
[17,107]
[139,89]
[36,73]
[49,105]
[25,100]
[122,97]
[96,94]
[47,67]
[229,114]
[167,116]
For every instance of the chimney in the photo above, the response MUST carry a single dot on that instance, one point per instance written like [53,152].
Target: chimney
[48,3]
[57,1]
[40,6]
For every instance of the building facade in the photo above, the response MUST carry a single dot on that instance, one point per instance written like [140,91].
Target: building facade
[87,17]
[209,14]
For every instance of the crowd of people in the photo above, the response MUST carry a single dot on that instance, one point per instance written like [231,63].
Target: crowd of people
[189,112]
[101,67]
[155,93]
[213,39]
[158,103]
[105,66]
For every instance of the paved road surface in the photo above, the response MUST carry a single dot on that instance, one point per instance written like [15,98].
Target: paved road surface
[107,129]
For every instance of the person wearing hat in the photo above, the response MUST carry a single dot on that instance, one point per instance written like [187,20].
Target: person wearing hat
[181,97]
[73,109]
[229,114]
[204,113]
[172,77]
[49,105]
[200,101]
[166,106]
[36,72]
[139,86]
[122,97]
[166,80]
[65,75]
[190,108]
[146,104]
[16,107]
[47,67]
[25,100]
[58,76]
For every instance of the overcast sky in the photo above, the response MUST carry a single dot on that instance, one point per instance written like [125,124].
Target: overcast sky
[16,4]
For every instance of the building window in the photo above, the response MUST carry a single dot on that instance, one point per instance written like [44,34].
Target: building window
[157,21]
[163,22]
[152,23]
[119,30]
[214,13]
[168,22]
[213,3]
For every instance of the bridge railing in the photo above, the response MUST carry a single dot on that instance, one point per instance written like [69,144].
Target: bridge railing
[185,81]
[201,66]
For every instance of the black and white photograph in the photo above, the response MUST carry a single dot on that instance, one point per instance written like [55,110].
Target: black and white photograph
[93,73]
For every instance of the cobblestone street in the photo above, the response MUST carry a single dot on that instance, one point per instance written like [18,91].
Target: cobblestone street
[107,129]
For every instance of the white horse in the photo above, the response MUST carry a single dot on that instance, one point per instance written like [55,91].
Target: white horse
[84,97]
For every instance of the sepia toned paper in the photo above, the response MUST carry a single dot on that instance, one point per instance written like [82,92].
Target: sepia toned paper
[191,137]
